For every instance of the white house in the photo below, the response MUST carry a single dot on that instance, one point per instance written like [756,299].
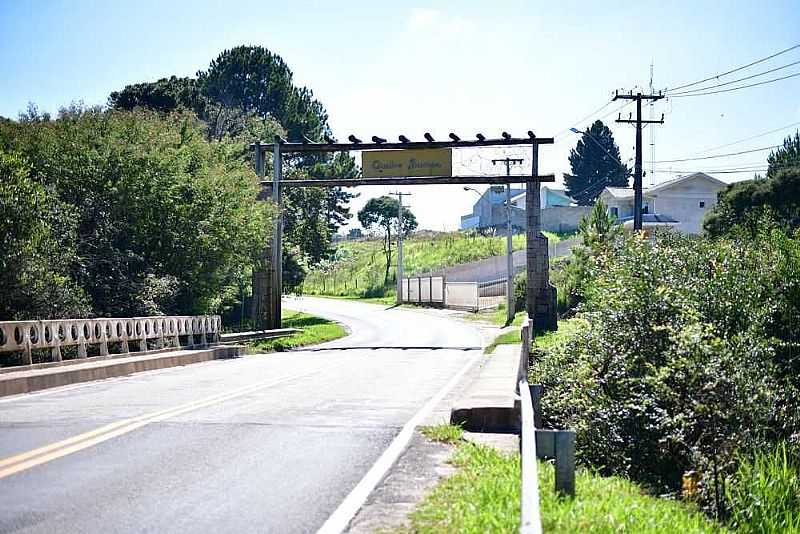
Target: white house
[681,203]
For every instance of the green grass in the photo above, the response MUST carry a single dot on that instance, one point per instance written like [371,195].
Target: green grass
[484,494]
[566,329]
[388,300]
[443,433]
[358,267]
[315,330]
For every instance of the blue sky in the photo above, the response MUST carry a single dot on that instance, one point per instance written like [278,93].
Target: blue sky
[389,68]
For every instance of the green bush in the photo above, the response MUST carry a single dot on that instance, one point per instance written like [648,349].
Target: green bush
[689,357]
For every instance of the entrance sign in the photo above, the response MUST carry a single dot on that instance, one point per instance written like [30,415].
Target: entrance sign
[403,163]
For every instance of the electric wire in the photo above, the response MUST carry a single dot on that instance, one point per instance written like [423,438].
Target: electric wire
[736,80]
[773,80]
[729,154]
[717,76]
[746,139]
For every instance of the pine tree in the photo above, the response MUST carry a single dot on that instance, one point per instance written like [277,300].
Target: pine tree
[595,163]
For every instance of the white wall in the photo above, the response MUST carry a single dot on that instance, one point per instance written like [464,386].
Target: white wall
[682,203]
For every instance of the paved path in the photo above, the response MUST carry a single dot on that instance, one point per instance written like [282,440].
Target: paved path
[267,443]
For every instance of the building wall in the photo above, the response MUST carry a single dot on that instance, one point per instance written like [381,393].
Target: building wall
[563,218]
[682,203]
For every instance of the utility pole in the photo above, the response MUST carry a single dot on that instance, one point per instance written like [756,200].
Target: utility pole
[637,174]
[509,240]
[400,244]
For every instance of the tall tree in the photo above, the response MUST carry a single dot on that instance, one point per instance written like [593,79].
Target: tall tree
[382,213]
[595,163]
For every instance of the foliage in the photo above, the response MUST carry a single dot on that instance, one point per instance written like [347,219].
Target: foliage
[778,194]
[689,357]
[384,213]
[34,280]
[595,165]
[151,216]
[248,93]
[764,493]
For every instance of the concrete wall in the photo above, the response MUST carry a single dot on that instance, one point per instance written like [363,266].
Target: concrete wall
[563,218]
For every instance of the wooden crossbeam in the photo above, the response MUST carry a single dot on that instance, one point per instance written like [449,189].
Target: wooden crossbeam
[417,180]
[342,147]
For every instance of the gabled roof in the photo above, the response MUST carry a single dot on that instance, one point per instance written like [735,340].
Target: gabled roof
[627,192]
[680,179]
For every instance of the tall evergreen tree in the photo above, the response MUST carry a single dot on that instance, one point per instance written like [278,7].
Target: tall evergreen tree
[595,163]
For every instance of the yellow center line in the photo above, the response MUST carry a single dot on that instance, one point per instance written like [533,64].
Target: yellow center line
[21,462]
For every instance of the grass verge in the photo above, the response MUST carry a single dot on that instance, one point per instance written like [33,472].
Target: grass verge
[443,433]
[315,330]
[483,496]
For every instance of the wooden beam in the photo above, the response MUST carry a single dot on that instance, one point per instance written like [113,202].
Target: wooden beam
[343,147]
[425,180]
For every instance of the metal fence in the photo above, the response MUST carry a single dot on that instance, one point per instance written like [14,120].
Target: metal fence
[53,335]
[424,290]
[537,442]
[470,296]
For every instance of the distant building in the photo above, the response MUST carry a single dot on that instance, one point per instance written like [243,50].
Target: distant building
[681,203]
[560,213]
[355,233]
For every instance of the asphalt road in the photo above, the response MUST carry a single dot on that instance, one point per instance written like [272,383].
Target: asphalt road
[267,443]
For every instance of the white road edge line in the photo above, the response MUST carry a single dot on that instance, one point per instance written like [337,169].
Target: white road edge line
[344,513]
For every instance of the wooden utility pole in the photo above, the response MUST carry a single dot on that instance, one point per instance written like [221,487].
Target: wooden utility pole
[637,174]
[399,244]
[509,241]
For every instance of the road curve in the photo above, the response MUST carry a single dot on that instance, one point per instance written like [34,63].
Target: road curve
[266,443]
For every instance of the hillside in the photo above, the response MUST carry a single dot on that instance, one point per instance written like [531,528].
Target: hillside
[358,267]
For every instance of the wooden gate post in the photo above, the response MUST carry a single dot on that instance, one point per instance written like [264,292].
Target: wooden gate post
[277,245]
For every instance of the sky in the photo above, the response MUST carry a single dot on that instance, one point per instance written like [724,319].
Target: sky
[386,69]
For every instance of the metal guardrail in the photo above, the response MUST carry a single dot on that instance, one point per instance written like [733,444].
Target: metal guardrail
[493,288]
[166,331]
[537,442]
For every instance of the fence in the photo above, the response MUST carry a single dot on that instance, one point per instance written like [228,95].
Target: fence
[537,442]
[424,290]
[52,335]
[471,296]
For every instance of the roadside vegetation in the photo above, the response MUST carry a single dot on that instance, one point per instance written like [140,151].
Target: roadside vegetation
[358,268]
[315,330]
[484,496]
[683,376]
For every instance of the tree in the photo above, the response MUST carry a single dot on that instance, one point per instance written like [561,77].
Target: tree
[595,163]
[248,93]
[778,193]
[382,212]
[160,220]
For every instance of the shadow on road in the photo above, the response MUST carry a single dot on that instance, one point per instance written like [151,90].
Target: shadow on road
[321,349]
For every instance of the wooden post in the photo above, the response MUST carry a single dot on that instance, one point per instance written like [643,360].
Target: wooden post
[277,247]
[536,400]
[260,305]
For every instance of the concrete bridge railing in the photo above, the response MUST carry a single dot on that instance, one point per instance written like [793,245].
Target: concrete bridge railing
[130,333]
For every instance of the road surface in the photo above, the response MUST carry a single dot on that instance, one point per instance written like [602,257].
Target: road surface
[266,443]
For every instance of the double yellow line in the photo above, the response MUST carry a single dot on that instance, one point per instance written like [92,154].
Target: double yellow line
[32,458]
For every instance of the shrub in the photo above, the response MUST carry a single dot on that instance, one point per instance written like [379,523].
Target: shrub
[689,357]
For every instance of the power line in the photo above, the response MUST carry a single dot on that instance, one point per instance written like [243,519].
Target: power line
[747,138]
[717,76]
[737,80]
[590,115]
[720,155]
[737,88]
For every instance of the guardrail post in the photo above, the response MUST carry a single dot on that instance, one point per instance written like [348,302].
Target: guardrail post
[536,398]
[565,462]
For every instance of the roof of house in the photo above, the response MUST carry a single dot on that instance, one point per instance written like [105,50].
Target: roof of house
[680,179]
[559,192]
[627,192]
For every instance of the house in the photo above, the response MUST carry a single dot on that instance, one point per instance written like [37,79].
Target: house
[559,211]
[681,203]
